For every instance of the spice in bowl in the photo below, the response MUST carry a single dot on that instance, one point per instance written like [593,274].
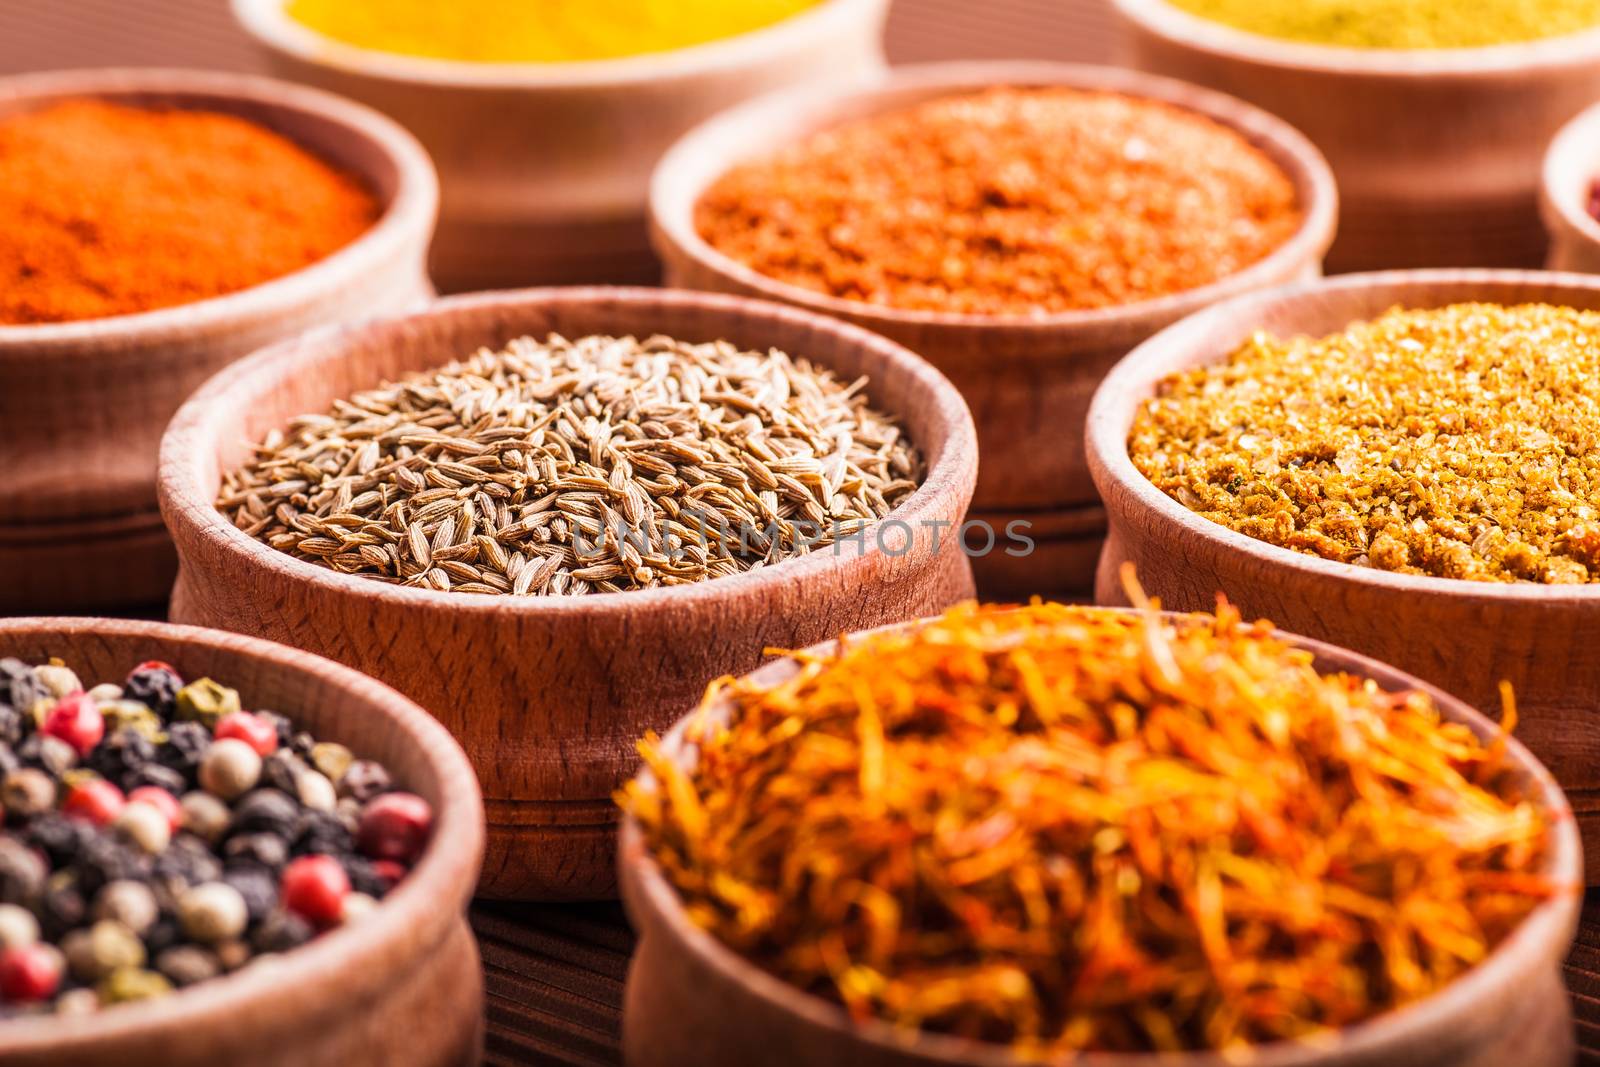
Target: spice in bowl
[566,467]
[113,210]
[550,31]
[1006,202]
[157,835]
[1402,24]
[1066,829]
[1456,442]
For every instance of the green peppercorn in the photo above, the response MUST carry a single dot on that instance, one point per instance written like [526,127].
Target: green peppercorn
[331,759]
[206,702]
[132,983]
[132,715]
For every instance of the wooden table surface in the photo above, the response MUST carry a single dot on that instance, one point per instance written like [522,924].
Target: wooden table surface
[554,974]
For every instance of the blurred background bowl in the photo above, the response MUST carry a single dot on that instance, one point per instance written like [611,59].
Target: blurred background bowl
[1570,180]
[1027,380]
[83,404]
[1436,151]
[544,166]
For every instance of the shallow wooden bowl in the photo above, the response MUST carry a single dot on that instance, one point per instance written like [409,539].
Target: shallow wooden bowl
[544,166]
[1436,152]
[548,695]
[83,404]
[1464,637]
[1571,167]
[691,1000]
[401,988]
[1028,380]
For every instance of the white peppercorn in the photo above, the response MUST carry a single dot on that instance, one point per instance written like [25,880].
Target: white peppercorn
[145,826]
[18,927]
[78,1002]
[106,946]
[27,792]
[131,903]
[58,680]
[357,906]
[316,791]
[212,913]
[230,768]
[204,815]
[105,692]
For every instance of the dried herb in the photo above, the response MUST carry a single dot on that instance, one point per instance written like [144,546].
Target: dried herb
[1067,828]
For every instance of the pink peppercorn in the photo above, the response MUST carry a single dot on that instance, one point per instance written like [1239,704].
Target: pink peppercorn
[395,826]
[314,888]
[29,972]
[162,801]
[253,730]
[389,871]
[96,801]
[76,720]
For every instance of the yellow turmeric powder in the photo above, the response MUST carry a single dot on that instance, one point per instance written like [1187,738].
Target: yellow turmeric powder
[1402,23]
[536,31]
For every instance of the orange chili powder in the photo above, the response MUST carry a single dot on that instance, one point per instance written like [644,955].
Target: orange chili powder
[1007,202]
[110,210]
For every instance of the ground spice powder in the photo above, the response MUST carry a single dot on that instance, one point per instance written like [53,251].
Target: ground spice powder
[1007,202]
[1458,442]
[549,31]
[1402,23]
[1072,829]
[111,210]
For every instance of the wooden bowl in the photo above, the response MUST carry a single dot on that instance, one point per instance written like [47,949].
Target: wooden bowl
[548,695]
[1571,167]
[1464,637]
[691,1000]
[83,404]
[403,987]
[930,31]
[1436,151]
[544,165]
[1028,380]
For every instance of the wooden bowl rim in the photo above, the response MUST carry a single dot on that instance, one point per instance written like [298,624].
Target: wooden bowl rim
[272,27]
[449,863]
[1221,41]
[1571,166]
[1130,383]
[673,197]
[1551,923]
[950,473]
[411,208]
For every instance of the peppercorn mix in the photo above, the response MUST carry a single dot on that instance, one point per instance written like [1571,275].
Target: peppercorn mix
[1458,442]
[1007,202]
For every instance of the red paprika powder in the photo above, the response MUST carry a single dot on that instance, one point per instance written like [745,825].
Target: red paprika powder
[112,210]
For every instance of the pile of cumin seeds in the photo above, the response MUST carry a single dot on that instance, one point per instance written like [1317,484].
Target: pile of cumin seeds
[566,467]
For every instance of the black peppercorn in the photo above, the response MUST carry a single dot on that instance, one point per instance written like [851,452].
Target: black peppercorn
[281,931]
[322,832]
[258,887]
[267,852]
[302,743]
[119,756]
[185,746]
[157,775]
[188,860]
[265,811]
[50,754]
[20,690]
[364,878]
[155,686]
[61,839]
[282,771]
[105,859]
[281,725]
[364,780]
[61,906]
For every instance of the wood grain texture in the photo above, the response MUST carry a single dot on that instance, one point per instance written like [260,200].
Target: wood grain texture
[690,1000]
[1463,636]
[1028,381]
[83,404]
[403,987]
[1437,153]
[1073,31]
[76,34]
[549,694]
[1571,167]
[544,166]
